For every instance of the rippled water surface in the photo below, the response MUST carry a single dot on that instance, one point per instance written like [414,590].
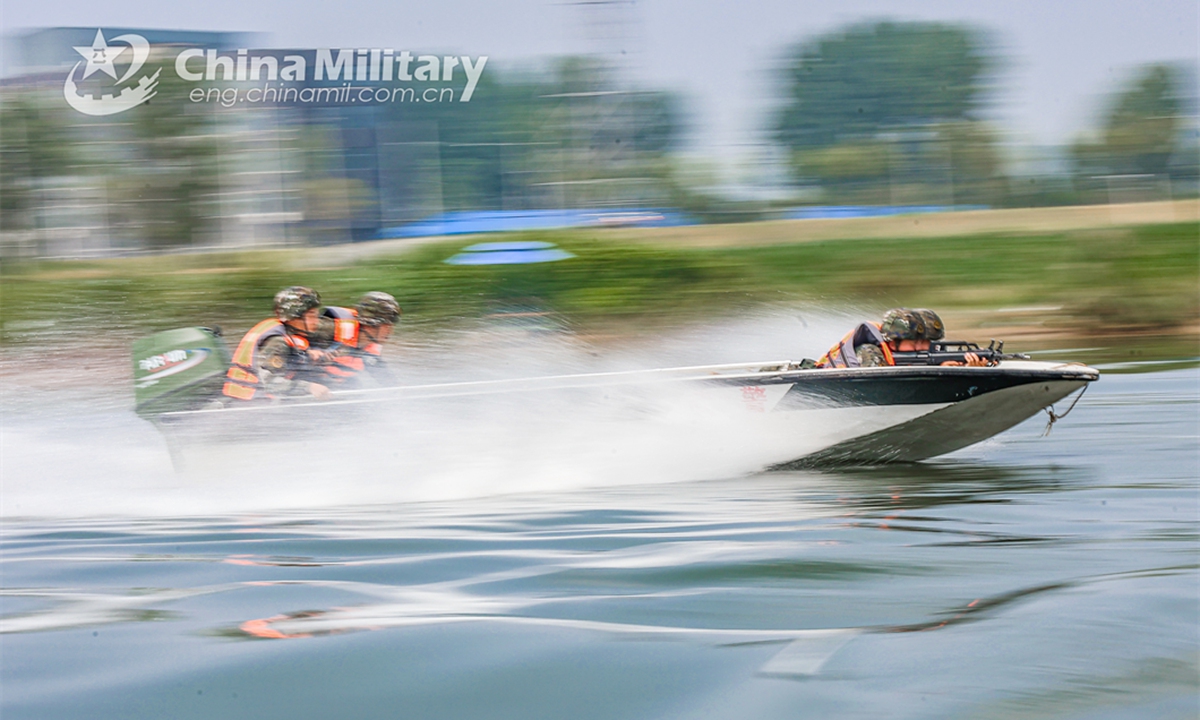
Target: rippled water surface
[1028,577]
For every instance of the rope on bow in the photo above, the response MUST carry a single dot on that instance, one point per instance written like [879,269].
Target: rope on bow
[1055,417]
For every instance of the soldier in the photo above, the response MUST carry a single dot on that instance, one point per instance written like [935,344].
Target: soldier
[274,359]
[352,340]
[934,328]
[933,331]
[902,330]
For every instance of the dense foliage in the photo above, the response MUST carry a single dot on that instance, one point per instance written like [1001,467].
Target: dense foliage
[858,82]
[1144,132]
[1113,281]
[887,113]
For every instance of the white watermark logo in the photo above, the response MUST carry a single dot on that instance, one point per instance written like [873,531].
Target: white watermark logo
[323,76]
[373,75]
[101,57]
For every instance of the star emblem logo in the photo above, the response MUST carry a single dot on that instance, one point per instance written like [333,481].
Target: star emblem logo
[100,56]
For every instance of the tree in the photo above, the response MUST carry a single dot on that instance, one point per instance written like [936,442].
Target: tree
[1141,132]
[887,112]
[170,176]
[35,145]
[871,78]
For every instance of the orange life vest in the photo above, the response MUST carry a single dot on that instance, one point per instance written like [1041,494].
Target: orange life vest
[241,382]
[843,354]
[346,333]
[345,325]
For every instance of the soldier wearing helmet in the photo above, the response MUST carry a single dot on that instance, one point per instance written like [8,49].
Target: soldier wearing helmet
[934,328]
[275,359]
[901,330]
[352,339]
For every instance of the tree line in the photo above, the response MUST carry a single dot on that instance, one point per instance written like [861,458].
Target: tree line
[895,112]
[886,113]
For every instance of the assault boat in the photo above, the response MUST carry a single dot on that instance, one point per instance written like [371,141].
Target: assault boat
[793,415]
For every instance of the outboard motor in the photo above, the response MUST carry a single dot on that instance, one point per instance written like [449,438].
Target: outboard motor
[178,370]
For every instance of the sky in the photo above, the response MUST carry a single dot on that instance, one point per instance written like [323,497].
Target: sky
[1061,58]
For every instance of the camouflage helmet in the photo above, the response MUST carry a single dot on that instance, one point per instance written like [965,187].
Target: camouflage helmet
[935,329]
[902,324]
[378,308]
[294,301]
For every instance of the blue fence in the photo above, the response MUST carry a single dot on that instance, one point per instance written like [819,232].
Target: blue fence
[467,222]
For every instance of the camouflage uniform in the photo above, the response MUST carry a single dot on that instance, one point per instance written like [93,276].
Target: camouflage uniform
[272,360]
[869,356]
[373,309]
[862,347]
[373,365]
[323,338]
[284,370]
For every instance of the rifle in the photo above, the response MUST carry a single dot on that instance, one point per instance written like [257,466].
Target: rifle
[956,351]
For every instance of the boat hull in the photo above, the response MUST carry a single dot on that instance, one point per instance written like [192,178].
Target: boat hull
[944,428]
[794,417]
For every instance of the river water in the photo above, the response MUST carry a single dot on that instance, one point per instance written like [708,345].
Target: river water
[1027,577]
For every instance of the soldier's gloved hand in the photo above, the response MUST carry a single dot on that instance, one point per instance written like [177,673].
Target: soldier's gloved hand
[974,360]
[319,391]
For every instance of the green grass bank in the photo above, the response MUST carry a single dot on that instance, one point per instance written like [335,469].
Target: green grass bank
[1101,286]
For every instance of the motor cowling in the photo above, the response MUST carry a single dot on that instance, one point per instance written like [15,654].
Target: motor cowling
[178,369]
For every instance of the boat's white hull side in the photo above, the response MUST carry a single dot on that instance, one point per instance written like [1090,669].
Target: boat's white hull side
[944,429]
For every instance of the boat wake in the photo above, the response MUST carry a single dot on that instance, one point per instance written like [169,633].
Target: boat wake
[84,454]
[461,426]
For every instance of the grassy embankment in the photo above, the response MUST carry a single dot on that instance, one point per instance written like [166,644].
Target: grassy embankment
[1135,290]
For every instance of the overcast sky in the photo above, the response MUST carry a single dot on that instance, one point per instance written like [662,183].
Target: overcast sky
[1063,57]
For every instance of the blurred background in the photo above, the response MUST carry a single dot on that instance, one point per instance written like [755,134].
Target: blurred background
[688,182]
[601,112]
